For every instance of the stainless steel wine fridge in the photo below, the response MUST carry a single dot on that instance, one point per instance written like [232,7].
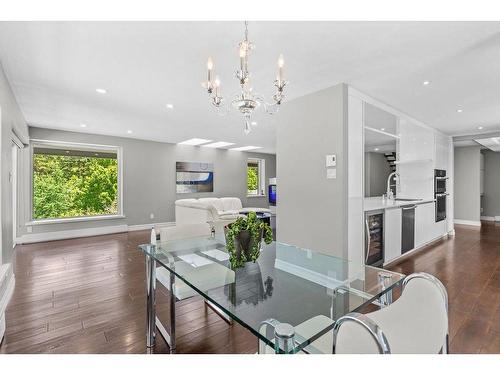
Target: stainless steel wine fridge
[374,238]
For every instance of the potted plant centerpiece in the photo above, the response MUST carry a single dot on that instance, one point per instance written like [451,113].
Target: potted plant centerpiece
[243,239]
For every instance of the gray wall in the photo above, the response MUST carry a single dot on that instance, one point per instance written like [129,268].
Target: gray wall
[311,209]
[149,177]
[491,197]
[377,170]
[466,183]
[12,121]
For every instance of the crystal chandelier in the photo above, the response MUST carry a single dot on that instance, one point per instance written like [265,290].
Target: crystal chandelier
[246,102]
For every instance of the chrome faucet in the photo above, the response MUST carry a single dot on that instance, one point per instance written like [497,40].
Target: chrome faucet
[390,194]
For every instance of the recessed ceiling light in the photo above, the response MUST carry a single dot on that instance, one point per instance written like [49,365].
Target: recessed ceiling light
[129,131]
[480,127]
[83,125]
[245,148]
[376,148]
[195,141]
[218,144]
[101,91]
[425,83]
[170,106]
[460,110]
[382,129]
[254,123]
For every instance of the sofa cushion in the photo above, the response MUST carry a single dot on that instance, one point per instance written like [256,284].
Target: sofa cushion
[216,202]
[231,204]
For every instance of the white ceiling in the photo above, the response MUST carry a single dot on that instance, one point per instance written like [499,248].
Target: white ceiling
[54,69]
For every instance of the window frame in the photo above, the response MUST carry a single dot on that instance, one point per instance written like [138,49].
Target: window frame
[261,175]
[82,147]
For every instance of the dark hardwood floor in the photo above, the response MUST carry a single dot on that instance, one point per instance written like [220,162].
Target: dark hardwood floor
[88,296]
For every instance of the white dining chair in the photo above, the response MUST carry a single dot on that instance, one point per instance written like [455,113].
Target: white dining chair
[416,323]
[212,275]
[208,274]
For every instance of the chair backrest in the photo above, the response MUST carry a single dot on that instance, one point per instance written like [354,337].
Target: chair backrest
[183,231]
[416,323]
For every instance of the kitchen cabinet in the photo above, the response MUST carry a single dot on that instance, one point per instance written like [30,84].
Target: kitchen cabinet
[442,151]
[392,234]
[417,154]
[416,142]
[426,228]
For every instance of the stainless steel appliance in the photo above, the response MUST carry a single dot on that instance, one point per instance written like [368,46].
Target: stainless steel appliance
[407,228]
[440,193]
[374,243]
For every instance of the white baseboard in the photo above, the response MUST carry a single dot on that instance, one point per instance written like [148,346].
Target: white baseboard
[9,290]
[468,222]
[5,272]
[86,232]
[408,254]
[73,233]
[488,218]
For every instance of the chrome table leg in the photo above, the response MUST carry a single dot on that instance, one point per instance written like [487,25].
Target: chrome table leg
[386,298]
[284,335]
[151,301]
[172,313]
[219,312]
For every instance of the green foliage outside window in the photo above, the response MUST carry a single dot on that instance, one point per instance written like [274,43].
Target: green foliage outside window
[72,186]
[252,179]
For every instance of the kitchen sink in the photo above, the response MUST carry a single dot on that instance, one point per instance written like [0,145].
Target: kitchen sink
[408,199]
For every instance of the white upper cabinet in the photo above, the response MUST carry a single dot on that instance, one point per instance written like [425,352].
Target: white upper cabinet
[442,151]
[416,157]
[416,143]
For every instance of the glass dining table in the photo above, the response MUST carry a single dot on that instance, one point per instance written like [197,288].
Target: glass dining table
[284,288]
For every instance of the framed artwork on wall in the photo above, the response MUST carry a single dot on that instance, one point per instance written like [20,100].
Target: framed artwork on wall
[194,177]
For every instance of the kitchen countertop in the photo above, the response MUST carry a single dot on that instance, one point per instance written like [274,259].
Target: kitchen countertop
[376,203]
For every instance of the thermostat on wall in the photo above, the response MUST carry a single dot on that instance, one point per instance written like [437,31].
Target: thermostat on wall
[331,160]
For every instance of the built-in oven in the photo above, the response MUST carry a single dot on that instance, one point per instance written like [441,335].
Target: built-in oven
[441,206]
[440,193]
[440,181]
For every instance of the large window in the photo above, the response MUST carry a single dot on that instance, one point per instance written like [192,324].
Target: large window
[256,184]
[75,181]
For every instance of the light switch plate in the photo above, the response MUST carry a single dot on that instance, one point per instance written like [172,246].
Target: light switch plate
[331,160]
[331,173]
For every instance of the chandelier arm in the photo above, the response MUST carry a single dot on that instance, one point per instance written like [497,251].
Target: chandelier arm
[262,100]
[246,102]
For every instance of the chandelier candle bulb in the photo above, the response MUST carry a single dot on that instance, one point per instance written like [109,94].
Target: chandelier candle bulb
[217,85]
[281,63]
[210,66]
[242,58]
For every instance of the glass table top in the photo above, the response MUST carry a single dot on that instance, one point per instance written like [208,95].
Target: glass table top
[286,283]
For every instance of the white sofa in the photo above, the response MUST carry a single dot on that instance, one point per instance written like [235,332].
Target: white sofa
[216,211]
